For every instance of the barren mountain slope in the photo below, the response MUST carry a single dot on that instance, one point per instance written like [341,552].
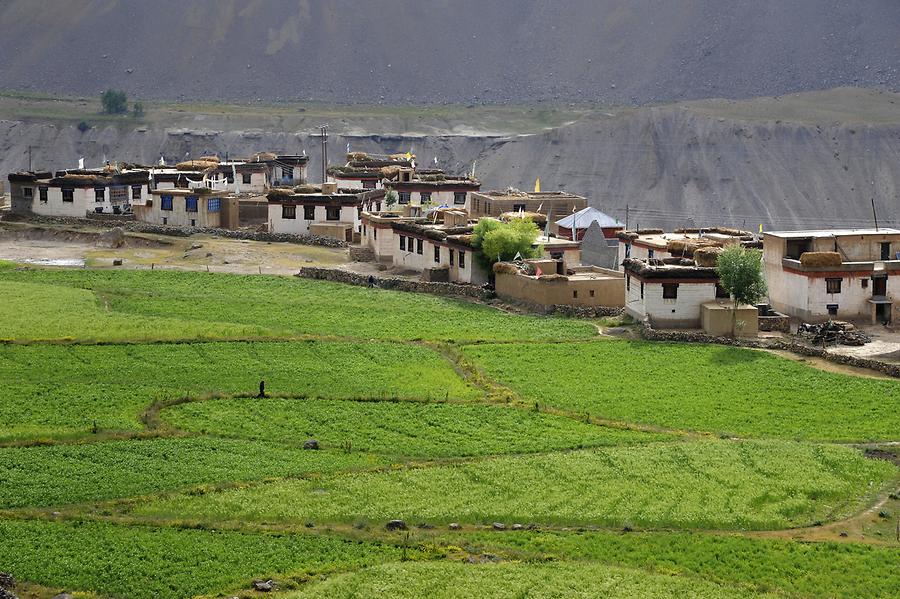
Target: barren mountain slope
[815,159]
[405,51]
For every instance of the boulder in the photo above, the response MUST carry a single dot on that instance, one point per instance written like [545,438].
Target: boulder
[114,238]
[499,526]
[455,526]
[263,586]
[7,581]
[517,527]
[310,444]
[396,525]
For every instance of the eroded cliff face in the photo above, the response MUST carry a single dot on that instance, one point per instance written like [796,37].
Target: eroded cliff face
[671,166]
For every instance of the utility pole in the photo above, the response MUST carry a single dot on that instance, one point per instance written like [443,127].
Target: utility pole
[29,159]
[874,214]
[323,134]
[626,217]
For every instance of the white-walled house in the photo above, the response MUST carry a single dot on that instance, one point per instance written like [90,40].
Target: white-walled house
[79,192]
[324,211]
[857,279]
[669,296]
[200,207]
[650,244]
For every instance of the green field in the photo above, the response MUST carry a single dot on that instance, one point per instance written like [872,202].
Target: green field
[511,581]
[136,460]
[65,390]
[401,428]
[722,390]
[714,484]
[214,305]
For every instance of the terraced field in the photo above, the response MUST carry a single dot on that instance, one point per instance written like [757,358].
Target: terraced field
[137,459]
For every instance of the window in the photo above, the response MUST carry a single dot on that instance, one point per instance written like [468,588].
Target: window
[68,194]
[136,191]
[451,256]
[437,253]
[886,250]
[832,309]
[332,213]
[190,203]
[28,192]
[165,220]
[462,259]
[670,290]
[864,283]
[487,208]
[402,242]
[99,194]
[575,294]
[403,197]
[231,177]
[650,254]
[833,285]
[287,173]
[628,250]
[425,197]
[309,213]
[627,282]
[43,192]
[165,202]
[592,292]
[213,205]
[721,293]
[289,212]
[419,246]
[556,255]
[375,233]
[247,178]
[193,223]
[642,290]
[369,183]
[459,197]
[518,208]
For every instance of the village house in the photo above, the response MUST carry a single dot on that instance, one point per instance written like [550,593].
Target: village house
[580,221]
[539,283]
[366,171]
[319,210]
[850,274]
[79,192]
[649,244]
[198,207]
[553,204]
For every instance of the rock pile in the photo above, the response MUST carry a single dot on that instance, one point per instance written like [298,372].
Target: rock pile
[833,332]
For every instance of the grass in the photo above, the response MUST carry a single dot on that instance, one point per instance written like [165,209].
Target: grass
[790,568]
[713,484]
[725,390]
[454,580]
[60,475]
[280,305]
[403,428]
[60,390]
[148,563]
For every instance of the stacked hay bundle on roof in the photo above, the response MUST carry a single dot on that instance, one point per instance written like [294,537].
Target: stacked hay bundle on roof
[389,172]
[212,158]
[263,157]
[814,259]
[357,156]
[279,194]
[505,268]
[551,278]
[649,231]
[196,165]
[707,255]
[535,217]
[307,188]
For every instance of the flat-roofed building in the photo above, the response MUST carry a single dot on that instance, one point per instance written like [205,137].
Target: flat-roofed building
[554,204]
[319,210]
[199,207]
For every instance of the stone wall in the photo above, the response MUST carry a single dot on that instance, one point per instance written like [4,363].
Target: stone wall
[790,344]
[352,278]
[775,323]
[362,254]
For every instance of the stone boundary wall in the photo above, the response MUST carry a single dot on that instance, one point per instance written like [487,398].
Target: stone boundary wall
[133,226]
[565,309]
[351,278]
[774,323]
[691,336]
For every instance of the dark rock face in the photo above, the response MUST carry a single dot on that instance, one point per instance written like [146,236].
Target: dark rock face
[461,52]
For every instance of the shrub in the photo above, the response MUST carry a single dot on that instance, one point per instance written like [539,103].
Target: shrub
[114,101]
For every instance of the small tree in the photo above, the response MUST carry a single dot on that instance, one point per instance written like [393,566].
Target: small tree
[390,199]
[502,241]
[741,275]
[138,109]
[114,101]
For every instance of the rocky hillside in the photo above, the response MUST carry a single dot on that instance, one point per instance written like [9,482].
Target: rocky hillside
[458,51]
[808,160]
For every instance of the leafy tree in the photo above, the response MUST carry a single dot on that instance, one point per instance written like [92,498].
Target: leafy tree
[138,109]
[502,241]
[390,198]
[741,275]
[114,101]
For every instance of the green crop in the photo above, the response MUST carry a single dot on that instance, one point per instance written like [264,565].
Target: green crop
[68,474]
[402,428]
[149,563]
[712,388]
[711,484]
[52,390]
[453,580]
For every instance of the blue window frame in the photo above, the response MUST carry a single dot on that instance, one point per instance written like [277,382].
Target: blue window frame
[190,203]
[213,205]
[165,202]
